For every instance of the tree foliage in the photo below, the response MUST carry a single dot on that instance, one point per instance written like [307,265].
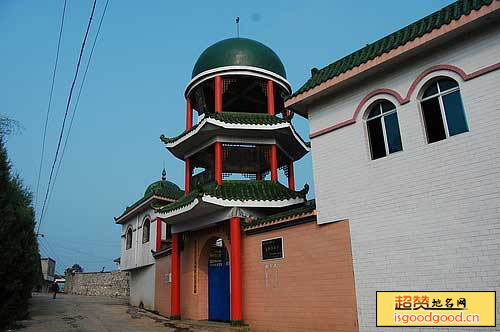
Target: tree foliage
[20,271]
[76,268]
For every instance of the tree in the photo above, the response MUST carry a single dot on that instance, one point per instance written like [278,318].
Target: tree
[76,268]
[21,270]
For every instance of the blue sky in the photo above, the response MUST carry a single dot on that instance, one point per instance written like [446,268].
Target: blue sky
[134,92]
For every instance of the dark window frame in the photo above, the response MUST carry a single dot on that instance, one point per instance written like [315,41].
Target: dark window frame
[439,94]
[146,235]
[386,109]
[128,239]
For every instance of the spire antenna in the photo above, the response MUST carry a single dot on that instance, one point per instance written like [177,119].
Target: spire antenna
[164,173]
[238,26]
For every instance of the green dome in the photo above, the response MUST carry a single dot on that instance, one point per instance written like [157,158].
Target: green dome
[239,52]
[164,188]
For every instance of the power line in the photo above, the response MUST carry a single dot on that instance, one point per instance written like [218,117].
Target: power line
[51,251]
[80,252]
[50,102]
[66,114]
[77,101]
[90,242]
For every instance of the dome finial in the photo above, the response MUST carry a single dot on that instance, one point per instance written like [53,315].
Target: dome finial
[237,27]
[164,173]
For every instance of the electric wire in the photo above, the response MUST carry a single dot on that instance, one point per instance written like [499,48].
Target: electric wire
[77,102]
[50,102]
[53,253]
[66,115]
[80,252]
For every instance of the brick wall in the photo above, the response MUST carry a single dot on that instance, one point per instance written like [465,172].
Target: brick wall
[310,289]
[425,218]
[162,286]
[98,283]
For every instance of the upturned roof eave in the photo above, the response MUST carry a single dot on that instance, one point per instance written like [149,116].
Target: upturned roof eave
[174,216]
[188,139]
[234,193]
[135,209]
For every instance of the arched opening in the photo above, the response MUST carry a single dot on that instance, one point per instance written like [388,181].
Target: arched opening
[146,230]
[128,239]
[218,281]
[442,109]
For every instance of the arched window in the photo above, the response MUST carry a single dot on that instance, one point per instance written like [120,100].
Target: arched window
[128,239]
[443,110]
[383,129]
[145,231]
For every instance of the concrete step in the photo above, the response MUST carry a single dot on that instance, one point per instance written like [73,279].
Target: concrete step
[202,325]
[188,325]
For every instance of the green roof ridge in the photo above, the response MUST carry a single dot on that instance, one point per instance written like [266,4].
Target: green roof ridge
[233,118]
[164,188]
[244,190]
[306,207]
[402,36]
[150,192]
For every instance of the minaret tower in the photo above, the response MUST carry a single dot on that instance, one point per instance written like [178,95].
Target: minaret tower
[243,131]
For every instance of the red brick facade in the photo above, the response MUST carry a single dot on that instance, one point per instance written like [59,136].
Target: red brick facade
[310,289]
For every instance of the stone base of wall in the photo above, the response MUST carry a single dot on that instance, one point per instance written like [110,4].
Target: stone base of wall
[112,284]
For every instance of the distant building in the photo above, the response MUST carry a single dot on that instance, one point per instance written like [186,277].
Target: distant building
[60,281]
[48,271]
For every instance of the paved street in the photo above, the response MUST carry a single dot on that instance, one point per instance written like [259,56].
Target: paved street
[89,313]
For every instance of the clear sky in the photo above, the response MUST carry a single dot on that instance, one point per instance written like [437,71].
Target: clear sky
[134,92]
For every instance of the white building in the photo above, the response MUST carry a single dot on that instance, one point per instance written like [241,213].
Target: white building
[141,237]
[419,183]
[48,269]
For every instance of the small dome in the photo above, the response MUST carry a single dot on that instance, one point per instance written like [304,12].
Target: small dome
[164,188]
[239,52]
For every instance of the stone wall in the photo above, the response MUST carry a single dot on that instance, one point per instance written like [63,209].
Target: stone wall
[114,283]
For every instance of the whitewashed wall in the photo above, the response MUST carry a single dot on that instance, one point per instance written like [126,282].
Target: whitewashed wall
[142,287]
[428,217]
[140,253]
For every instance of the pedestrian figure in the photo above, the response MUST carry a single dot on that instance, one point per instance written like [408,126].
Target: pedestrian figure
[55,289]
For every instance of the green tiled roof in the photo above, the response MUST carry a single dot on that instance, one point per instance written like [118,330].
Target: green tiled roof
[239,52]
[254,190]
[183,201]
[423,26]
[307,207]
[234,118]
[242,190]
[163,188]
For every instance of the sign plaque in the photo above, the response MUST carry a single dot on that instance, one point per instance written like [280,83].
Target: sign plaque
[272,248]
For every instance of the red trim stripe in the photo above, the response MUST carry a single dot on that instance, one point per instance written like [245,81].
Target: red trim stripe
[411,90]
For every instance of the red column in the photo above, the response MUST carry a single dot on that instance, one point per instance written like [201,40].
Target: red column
[270,97]
[175,289]
[218,162]
[258,176]
[236,283]
[189,114]
[158,233]
[273,156]
[291,176]
[187,176]
[218,94]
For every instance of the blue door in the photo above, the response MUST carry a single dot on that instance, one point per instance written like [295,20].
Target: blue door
[218,285]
